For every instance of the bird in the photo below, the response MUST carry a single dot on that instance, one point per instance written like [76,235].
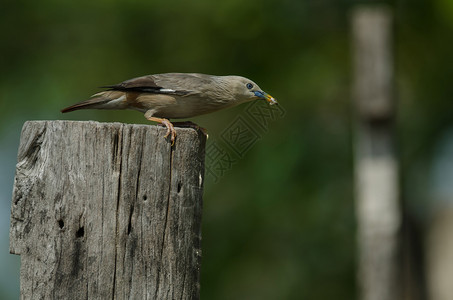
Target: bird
[166,96]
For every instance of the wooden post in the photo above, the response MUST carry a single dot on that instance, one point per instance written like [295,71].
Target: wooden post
[376,165]
[107,211]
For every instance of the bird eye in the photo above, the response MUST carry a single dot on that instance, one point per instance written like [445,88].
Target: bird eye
[249,86]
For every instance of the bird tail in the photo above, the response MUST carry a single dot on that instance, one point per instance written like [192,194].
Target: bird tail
[102,100]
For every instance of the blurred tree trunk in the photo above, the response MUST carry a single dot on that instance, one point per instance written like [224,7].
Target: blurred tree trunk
[376,165]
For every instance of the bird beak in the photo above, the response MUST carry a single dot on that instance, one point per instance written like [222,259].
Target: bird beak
[271,100]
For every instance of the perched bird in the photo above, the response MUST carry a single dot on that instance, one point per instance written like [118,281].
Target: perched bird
[175,95]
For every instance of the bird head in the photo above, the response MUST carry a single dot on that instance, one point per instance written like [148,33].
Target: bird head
[248,90]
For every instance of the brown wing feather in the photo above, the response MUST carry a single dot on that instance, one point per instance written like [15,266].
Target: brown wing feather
[169,84]
[136,83]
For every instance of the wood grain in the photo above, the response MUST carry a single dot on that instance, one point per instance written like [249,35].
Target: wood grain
[107,210]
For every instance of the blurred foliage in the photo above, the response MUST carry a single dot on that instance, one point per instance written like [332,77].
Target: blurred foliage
[280,224]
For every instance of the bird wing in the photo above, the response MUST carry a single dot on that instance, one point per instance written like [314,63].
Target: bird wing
[181,84]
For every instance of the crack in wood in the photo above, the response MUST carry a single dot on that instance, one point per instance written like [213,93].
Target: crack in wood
[166,217]
[120,162]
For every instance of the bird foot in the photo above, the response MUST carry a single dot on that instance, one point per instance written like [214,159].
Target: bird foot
[170,130]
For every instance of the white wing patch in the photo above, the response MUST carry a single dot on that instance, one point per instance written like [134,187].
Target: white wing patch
[167,91]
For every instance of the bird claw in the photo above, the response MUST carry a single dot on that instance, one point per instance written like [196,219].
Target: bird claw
[170,131]
[164,122]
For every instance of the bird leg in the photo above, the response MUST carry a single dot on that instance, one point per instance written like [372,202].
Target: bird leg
[170,129]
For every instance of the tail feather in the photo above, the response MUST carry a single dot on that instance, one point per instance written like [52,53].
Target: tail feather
[90,103]
[99,100]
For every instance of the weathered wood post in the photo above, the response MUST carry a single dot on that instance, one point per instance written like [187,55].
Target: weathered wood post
[107,211]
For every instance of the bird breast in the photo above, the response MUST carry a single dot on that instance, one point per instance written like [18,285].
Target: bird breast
[175,106]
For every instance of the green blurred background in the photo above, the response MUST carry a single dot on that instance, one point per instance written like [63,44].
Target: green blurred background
[280,224]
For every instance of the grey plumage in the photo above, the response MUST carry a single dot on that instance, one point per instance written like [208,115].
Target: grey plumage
[175,95]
